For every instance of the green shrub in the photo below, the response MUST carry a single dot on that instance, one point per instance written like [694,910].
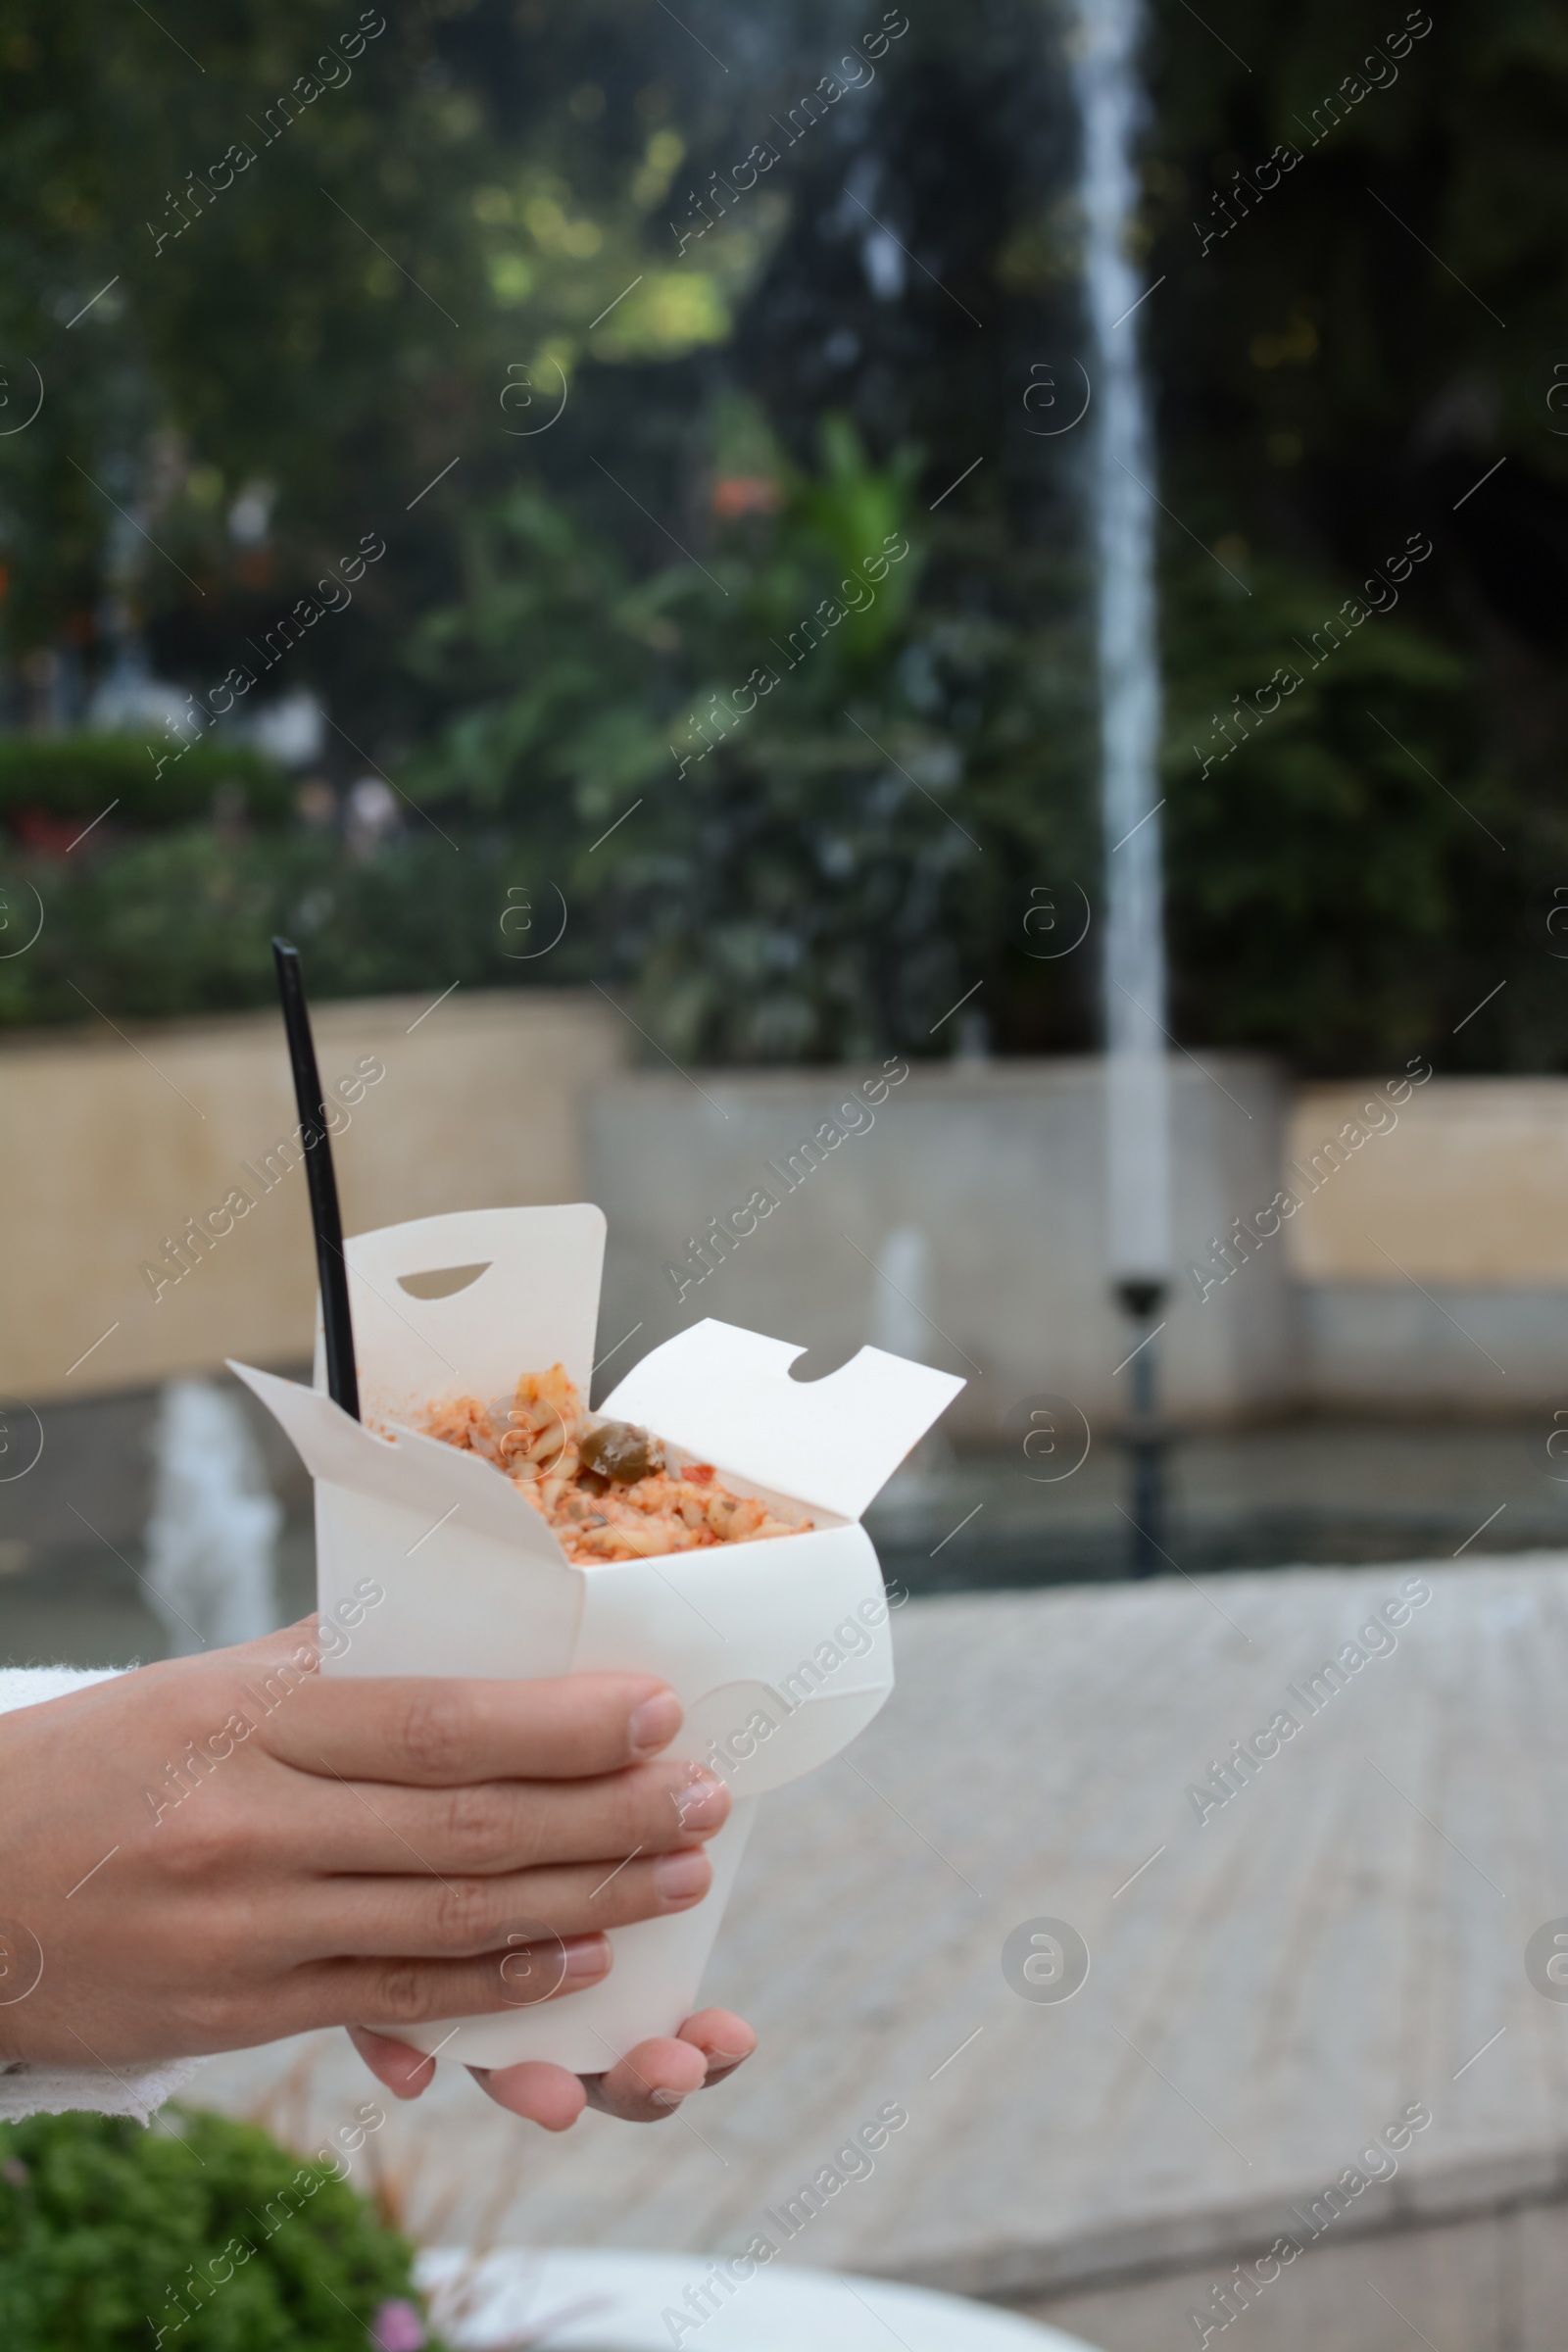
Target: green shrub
[179,922]
[80,775]
[109,2232]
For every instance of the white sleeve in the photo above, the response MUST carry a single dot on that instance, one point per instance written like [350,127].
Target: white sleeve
[29,2089]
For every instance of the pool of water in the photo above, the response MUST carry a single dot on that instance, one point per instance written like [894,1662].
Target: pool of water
[1302,1492]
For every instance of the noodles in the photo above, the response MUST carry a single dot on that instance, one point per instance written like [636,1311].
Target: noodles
[605,1487]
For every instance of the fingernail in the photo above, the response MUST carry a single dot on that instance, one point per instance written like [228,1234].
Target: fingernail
[679,1877]
[583,1958]
[655,1723]
[666,2098]
[701,1801]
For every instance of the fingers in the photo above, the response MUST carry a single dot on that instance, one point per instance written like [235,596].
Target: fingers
[496,1825]
[465,1918]
[539,2092]
[439,1733]
[382,1995]
[650,2082]
[644,2087]
[725,2040]
[405,2072]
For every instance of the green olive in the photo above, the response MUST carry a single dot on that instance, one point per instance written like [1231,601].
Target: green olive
[621,1450]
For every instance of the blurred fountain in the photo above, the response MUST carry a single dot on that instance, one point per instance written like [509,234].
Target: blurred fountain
[1110,105]
[902,1325]
[213,1528]
[900,1305]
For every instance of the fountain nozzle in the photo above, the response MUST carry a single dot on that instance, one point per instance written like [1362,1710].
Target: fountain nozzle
[1139,1295]
[1146,1436]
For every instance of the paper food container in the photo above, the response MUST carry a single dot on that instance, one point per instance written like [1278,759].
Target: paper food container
[779,1650]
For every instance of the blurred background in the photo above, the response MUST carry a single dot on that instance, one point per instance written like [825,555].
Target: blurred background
[442,454]
[253,366]
[426,486]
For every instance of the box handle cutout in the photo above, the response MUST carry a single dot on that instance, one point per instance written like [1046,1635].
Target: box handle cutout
[442,1282]
[822,1361]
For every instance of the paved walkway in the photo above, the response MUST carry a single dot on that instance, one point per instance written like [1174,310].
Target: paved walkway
[1269,1989]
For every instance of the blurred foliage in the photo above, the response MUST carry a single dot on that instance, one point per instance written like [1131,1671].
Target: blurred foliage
[1319,873]
[327,325]
[516,291]
[793,789]
[200,2227]
[86,777]
[1335,374]
[182,921]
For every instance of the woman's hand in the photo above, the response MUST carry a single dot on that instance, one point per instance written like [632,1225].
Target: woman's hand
[213,1852]
[644,2087]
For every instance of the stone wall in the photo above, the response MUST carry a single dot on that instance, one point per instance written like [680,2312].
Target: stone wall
[955,1212]
[1433,1261]
[110,1141]
[959,1218]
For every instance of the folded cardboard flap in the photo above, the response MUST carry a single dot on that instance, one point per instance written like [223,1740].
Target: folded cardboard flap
[533,1301]
[725,1394]
[758,1740]
[427,1595]
[419,1474]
